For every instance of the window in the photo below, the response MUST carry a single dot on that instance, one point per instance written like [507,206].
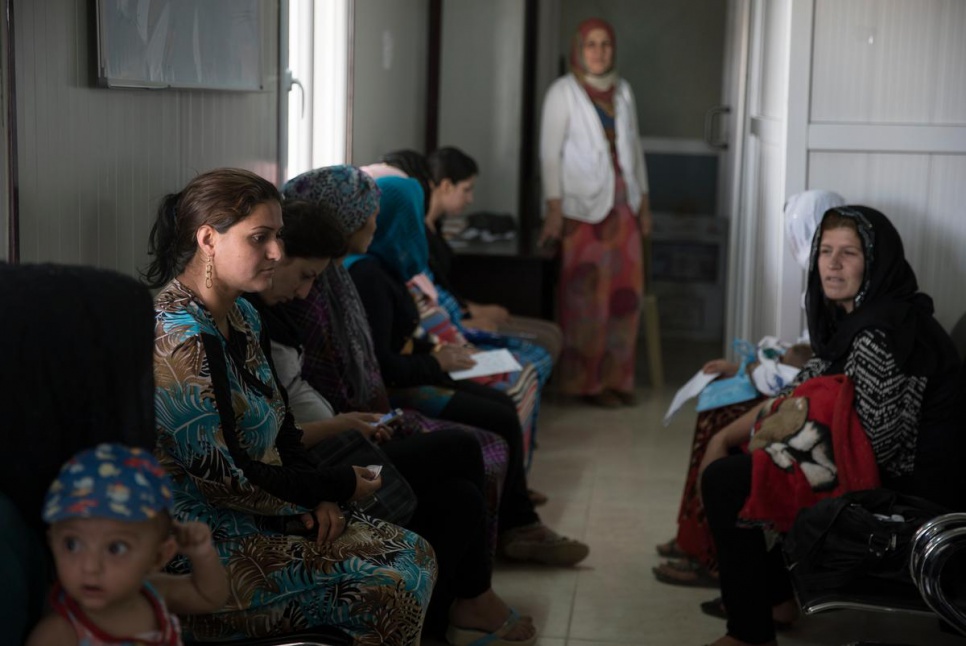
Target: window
[318,35]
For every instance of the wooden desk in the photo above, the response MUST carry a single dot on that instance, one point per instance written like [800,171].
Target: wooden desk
[495,272]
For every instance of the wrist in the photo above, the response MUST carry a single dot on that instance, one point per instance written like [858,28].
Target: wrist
[202,553]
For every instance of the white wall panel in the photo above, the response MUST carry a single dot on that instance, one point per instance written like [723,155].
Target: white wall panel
[95,162]
[769,243]
[774,59]
[951,64]
[480,104]
[942,268]
[389,77]
[889,61]
[923,196]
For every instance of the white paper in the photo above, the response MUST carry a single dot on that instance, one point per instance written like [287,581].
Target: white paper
[689,390]
[490,362]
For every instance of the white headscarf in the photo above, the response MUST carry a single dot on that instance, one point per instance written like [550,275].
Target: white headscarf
[803,212]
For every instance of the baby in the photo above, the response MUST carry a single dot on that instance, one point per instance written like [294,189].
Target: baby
[111,532]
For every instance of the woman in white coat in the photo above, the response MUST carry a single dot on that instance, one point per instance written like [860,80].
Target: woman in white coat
[595,185]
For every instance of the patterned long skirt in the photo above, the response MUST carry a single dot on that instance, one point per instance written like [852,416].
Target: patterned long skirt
[694,536]
[601,284]
[374,583]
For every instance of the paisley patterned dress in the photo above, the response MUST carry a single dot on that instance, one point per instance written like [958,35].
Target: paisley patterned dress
[374,582]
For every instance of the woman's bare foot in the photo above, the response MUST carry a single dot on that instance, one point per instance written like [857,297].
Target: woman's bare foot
[488,612]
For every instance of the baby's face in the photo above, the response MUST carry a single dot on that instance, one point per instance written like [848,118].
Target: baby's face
[102,563]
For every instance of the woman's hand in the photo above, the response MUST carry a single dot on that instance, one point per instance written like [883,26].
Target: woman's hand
[193,538]
[725,368]
[495,314]
[732,435]
[453,357]
[552,224]
[716,449]
[365,424]
[331,521]
[366,484]
[644,216]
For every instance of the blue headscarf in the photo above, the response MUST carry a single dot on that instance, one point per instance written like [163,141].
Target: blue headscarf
[400,240]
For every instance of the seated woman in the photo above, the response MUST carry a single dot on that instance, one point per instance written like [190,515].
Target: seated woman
[338,361]
[445,469]
[295,559]
[441,313]
[868,321]
[355,195]
[448,176]
[693,561]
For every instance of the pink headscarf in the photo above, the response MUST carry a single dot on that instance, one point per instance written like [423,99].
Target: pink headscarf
[600,88]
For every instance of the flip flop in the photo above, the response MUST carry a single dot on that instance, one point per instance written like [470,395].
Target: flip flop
[716,608]
[685,573]
[472,637]
[670,550]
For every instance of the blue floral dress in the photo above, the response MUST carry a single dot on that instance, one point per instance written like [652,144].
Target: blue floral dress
[374,582]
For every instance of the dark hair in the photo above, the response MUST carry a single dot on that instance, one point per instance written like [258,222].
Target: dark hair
[413,164]
[451,163]
[219,198]
[312,230]
[835,220]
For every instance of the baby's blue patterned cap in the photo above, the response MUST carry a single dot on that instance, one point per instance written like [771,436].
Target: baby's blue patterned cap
[109,481]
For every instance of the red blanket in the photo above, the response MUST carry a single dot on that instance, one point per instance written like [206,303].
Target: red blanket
[807,446]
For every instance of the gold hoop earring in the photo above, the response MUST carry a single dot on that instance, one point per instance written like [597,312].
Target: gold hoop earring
[208,270]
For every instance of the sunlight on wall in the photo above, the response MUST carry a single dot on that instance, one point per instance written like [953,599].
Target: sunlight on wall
[318,60]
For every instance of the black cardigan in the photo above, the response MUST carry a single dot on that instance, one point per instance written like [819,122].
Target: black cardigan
[393,318]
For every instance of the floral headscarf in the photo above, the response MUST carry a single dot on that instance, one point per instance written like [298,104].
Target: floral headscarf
[352,192]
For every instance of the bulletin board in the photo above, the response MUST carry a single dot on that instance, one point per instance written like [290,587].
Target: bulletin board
[198,44]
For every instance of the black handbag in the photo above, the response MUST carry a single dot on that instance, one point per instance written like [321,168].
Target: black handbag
[395,501]
[861,533]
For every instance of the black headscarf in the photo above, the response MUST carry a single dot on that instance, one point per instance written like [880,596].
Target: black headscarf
[77,350]
[888,300]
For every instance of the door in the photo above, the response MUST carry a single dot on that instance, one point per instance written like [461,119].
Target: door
[759,38]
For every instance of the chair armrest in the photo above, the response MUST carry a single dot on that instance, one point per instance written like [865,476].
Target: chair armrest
[933,547]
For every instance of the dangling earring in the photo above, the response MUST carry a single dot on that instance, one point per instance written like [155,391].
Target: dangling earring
[208,270]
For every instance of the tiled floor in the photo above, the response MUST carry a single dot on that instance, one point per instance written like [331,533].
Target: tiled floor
[614,479]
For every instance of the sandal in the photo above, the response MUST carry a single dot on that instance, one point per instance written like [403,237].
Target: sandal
[670,550]
[605,399]
[687,573]
[472,637]
[540,544]
[716,608]
[626,398]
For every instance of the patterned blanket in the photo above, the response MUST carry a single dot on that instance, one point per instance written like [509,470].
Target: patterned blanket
[807,446]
